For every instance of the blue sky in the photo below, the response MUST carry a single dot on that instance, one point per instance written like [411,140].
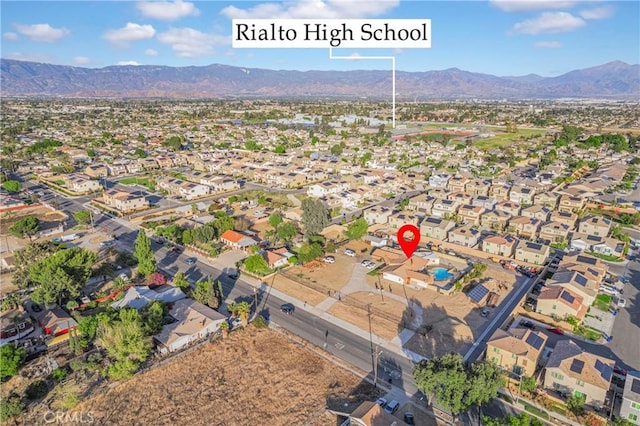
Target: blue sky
[501,37]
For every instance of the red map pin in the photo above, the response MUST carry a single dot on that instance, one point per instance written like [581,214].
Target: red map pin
[408,246]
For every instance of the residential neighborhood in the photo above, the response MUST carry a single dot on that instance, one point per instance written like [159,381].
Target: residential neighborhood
[164,238]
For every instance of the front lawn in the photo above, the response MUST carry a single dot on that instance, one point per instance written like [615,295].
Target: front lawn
[149,183]
[602,302]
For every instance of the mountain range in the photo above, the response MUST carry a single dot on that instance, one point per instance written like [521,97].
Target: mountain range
[613,80]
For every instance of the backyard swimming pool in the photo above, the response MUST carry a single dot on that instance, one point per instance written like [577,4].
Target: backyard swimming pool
[440,274]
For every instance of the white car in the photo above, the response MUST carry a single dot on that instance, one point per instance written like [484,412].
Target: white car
[609,290]
[329,259]
[350,253]
[621,302]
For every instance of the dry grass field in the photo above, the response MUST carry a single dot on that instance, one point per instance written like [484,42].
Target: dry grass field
[254,377]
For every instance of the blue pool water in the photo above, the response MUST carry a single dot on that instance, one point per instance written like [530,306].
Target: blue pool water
[440,274]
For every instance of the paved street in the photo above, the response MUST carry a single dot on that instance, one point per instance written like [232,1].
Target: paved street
[312,324]
[499,318]
[353,345]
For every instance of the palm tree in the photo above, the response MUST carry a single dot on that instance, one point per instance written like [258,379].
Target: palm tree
[11,301]
[243,310]
[224,327]
[120,283]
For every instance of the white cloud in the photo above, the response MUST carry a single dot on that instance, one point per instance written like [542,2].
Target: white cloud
[32,57]
[151,52]
[10,36]
[168,11]
[547,45]
[597,13]
[549,22]
[530,5]
[190,43]
[130,32]
[81,60]
[42,32]
[127,63]
[320,9]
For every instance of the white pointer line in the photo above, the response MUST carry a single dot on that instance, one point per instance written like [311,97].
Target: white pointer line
[393,77]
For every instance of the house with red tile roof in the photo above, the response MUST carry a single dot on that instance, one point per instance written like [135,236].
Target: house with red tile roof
[236,240]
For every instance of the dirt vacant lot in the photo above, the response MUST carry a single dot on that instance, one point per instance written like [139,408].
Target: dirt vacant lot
[254,377]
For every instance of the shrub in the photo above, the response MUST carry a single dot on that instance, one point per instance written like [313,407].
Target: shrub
[260,322]
[59,374]
[10,407]
[78,365]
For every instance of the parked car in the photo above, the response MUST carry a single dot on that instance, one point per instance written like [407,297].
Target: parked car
[621,302]
[107,243]
[409,418]
[556,330]
[609,290]
[190,260]
[177,249]
[392,407]
[485,312]
[350,253]
[288,308]
[329,259]
[234,275]
[527,324]
[381,402]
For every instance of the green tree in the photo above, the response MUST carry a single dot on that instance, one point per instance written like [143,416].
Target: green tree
[315,216]
[27,226]
[12,186]
[575,403]
[140,153]
[280,149]
[275,219]
[11,358]
[522,419]
[485,379]
[286,231]
[153,317]
[243,309]
[181,282]
[82,217]
[28,256]
[62,274]
[357,229]
[120,283]
[445,380]
[126,343]
[144,254]
[528,384]
[11,407]
[208,293]
[257,264]
[337,149]
[309,251]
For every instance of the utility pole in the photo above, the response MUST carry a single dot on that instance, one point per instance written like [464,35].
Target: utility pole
[373,356]
[376,356]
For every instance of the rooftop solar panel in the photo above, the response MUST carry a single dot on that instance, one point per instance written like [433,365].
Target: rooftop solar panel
[576,366]
[580,279]
[635,386]
[478,293]
[567,296]
[534,340]
[592,271]
[605,370]
[586,259]
[535,246]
